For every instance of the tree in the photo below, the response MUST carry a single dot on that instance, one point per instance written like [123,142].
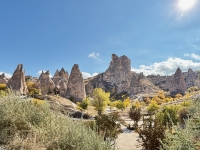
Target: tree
[100,99]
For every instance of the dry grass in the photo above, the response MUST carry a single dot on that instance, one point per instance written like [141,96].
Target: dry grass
[26,126]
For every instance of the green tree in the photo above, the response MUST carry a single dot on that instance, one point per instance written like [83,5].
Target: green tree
[153,106]
[100,99]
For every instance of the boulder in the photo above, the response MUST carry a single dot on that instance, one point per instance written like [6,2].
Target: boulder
[17,81]
[76,86]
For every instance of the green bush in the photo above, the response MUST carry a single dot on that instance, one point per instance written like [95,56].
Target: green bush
[24,125]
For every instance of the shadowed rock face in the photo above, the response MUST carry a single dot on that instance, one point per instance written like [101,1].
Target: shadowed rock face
[177,84]
[17,81]
[191,77]
[76,86]
[47,85]
[60,80]
[120,79]
[3,79]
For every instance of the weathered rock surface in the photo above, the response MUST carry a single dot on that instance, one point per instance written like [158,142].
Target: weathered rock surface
[76,86]
[119,78]
[177,84]
[60,80]
[191,78]
[17,81]
[3,79]
[47,85]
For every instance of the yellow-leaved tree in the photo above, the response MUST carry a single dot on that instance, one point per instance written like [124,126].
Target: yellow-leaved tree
[100,100]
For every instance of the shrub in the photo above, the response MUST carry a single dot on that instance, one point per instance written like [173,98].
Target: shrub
[83,105]
[135,114]
[27,126]
[153,106]
[107,125]
[120,105]
[3,87]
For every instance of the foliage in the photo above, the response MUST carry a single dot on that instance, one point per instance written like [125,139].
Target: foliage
[3,87]
[83,105]
[161,95]
[3,93]
[169,115]
[153,106]
[32,88]
[136,104]
[178,96]
[185,137]
[135,114]
[120,105]
[100,99]
[127,102]
[107,125]
[157,100]
[192,89]
[36,101]
[27,126]
[152,134]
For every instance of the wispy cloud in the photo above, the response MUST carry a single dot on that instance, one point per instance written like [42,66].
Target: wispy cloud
[88,75]
[167,67]
[39,72]
[95,56]
[194,56]
[6,74]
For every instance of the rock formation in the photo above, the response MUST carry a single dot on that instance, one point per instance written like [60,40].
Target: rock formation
[191,77]
[76,86]
[177,84]
[3,79]
[17,81]
[120,79]
[60,80]
[47,85]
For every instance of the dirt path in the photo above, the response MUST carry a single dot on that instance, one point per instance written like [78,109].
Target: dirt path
[128,140]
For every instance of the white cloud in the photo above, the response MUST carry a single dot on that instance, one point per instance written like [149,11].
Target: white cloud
[39,72]
[95,56]
[6,74]
[194,56]
[167,67]
[88,75]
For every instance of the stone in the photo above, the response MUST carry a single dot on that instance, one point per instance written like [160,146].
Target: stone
[76,86]
[119,79]
[190,78]
[3,79]
[46,83]
[177,84]
[17,81]
[60,80]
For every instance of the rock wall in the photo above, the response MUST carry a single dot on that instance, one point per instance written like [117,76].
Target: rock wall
[17,81]
[76,86]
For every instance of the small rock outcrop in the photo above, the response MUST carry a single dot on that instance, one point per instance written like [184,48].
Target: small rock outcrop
[3,79]
[17,81]
[60,80]
[76,86]
[177,84]
[47,85]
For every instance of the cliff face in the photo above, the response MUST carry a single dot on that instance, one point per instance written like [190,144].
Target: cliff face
[76,86]
[120,79]
[17,81]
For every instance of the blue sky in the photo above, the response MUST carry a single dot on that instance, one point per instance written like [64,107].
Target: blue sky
[156,35]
